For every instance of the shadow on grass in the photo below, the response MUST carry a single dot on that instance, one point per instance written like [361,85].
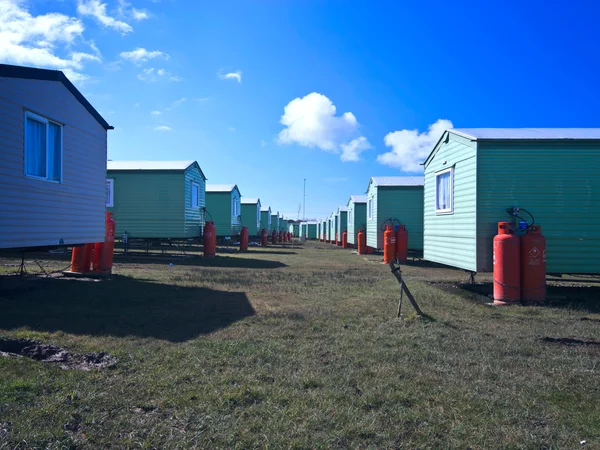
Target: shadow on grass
[585,298]
[119,306]
[198,261]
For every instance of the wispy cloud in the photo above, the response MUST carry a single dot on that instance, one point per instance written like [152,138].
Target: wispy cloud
[237,75]
[263,143]
[151,74]
[202,99]
[155,113]
[163,128]
[176,103]
[141,55]
[97,10]
[125,10]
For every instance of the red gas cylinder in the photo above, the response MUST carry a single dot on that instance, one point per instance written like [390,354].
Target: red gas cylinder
[345,239]
[533,266]
[264,238]
[362,242]
[507,272]
[281,236]
[290,236]
[81,258]
[389,244]
[274,237]
[103,251]
[244,239]
[210,240]
[401,243]
[337,242]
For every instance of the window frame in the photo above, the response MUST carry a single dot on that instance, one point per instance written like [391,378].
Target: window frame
[450,210]
[235,206]
[45,121]
[111,183]
[370,209]
[350,214]
[194,185]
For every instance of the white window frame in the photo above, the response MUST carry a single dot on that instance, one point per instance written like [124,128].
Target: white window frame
[195,185]
[449,210]
[370,209]
[235,206]
[350,214]
[257,214]
[37,117]
[110,183]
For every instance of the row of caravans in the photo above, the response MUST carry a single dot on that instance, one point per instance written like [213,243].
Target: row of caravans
[472,178]
[57,184]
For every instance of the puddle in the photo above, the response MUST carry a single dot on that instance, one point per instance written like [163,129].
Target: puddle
[570,341]
[55,355]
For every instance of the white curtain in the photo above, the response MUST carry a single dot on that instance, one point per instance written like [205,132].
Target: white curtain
[54,151]
[35,146]
[443,191]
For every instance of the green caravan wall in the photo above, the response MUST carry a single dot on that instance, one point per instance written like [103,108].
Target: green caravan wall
[251,217]
[149,204]
[451,238]
[404,203]
[311,233]
[328,230]
[194,217]
[333,225]
[265,220]
[296,229]
[219,206]
[274,222]
[342,223]
[558,182]
[357,220]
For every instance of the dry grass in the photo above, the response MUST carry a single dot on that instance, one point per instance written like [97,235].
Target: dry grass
[297,348]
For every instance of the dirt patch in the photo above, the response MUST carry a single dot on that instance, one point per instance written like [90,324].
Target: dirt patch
[55,355]
[570,341]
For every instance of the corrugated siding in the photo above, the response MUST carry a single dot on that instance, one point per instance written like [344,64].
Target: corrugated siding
[328,230]
[342,224]
[558,182]
[218,207]
[274,222]
[450,239]
[148,204]
[372,227]
[312,231]
[404,204]
[194,220]
[250,218]
[236,222]
[359,216]
[41,213]
[265,220]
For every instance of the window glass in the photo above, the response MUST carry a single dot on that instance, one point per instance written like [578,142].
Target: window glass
[110,194]
[444,191]
[35,148]
[195,195]
[54,151]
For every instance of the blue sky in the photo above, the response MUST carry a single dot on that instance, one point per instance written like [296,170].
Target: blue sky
[266,93]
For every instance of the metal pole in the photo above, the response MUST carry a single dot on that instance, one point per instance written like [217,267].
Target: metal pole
[304,202]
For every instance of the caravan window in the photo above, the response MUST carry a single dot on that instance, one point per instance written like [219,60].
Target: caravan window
[444,191]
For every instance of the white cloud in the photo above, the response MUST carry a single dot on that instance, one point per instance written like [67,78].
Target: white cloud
[352,150]
[202,99]
[410,148]
[151,74]
[155,113]
[141,55]
[126,11]
[46,40]
[139,14]
[311,121]
[163,128]
[237,75]
[97,10]
[263,143]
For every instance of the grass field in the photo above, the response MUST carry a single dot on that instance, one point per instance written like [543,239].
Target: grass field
[296,348]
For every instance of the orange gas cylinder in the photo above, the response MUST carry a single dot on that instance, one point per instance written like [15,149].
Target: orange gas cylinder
[103,251]
[281,236]
[244,239]
[401,243]
[210,240]
[507,272]
[389,244]
[362,242]
[290,236]
[533,266]
[274,237]
[264,238]
[337,242]
[345,239]
[81,258]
